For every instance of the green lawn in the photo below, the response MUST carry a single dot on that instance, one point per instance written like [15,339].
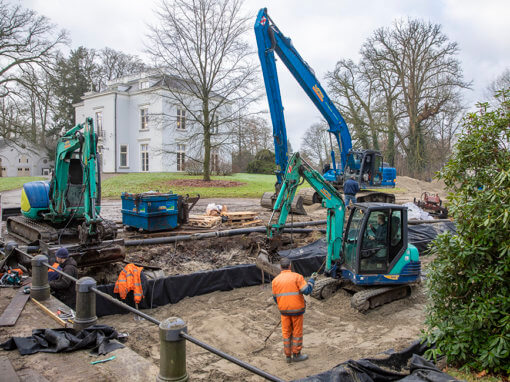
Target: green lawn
[254,185]
[14,182]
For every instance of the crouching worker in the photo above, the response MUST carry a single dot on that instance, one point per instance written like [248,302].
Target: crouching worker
[62,287]
[288,290]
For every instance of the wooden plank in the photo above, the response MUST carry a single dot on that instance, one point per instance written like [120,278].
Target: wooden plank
[49,313]
[13,310]
[7,373]
[241,220]
[240,215]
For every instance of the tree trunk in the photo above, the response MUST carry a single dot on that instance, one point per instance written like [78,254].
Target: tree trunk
[207,156]
[416,152]
[391,123]
[207,143]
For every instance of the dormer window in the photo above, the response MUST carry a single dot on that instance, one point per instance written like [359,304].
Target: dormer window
[144,85]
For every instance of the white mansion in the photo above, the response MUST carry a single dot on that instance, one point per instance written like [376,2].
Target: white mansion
[141,129]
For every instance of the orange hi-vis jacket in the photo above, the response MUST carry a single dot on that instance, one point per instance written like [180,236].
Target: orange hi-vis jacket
[129,280]
[288,289]
[54,265]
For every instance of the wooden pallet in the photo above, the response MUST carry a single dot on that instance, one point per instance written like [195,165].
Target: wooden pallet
[204,221]
[241,219]
[244,215]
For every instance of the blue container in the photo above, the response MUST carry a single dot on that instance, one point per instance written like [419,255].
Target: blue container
[150,211]
[389,176]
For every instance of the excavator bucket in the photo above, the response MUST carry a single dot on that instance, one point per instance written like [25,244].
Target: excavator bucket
[269,198]
[108,251]
[265,265]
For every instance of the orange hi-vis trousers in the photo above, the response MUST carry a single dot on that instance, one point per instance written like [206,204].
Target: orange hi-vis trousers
[292,332]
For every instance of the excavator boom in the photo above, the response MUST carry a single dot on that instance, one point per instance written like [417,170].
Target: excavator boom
[369,171]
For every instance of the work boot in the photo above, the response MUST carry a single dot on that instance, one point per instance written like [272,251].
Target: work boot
[288,359]
[298,357]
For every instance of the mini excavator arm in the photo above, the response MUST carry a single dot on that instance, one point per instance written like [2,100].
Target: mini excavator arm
[74,188]
[297,171]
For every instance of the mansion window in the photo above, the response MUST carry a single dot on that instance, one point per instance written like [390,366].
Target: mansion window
[181,118]
[181,156]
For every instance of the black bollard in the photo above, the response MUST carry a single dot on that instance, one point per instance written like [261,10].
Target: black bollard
[172,362]
[85,303]
[40,289]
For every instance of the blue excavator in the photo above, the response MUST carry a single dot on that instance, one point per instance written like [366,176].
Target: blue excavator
[366,166]
[67,209]
[370,258]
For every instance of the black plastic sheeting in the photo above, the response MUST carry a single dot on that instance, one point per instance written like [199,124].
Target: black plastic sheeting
[406,365]
[305,260]
[96,337]
[172,289]
[421,235]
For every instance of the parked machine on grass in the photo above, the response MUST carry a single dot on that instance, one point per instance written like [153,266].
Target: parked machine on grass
[371,258]
[432,204]
[67,209]
[366,165]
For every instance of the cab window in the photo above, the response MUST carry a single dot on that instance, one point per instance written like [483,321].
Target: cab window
[374,250]
[351,237]
[377,170]
[396,241]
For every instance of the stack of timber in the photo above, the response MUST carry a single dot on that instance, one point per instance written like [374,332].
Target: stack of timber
[229,219]
[241,219]
[204,221]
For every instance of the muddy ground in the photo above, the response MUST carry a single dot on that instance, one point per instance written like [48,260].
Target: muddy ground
[238,321]
[191,256]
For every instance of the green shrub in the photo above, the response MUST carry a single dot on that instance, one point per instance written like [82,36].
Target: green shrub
[468,317]
[264,163]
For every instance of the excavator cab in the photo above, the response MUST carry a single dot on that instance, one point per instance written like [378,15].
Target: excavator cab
[367,166]
[375,249]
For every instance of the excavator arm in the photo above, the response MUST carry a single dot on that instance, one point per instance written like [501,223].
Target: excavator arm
[74,188]
[297,172]
[270,40]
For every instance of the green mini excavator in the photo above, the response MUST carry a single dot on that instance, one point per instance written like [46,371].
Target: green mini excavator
[68,207]
[371,258]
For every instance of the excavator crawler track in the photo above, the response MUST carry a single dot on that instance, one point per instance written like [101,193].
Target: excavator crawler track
[325,288]
[30,231]
[377,296]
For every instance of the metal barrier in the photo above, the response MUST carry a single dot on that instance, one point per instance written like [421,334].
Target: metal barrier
[172,331]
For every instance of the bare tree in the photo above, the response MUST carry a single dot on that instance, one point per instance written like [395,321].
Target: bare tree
[315,144]
[202,44]
[428,74]
[114,64]
[355,94]
[28,44]
[406,85]
[501,83]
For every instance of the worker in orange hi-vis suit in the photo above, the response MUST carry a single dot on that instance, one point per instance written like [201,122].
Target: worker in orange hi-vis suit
[288,290]
[130,280]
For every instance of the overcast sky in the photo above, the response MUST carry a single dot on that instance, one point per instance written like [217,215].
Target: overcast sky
[323,31]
